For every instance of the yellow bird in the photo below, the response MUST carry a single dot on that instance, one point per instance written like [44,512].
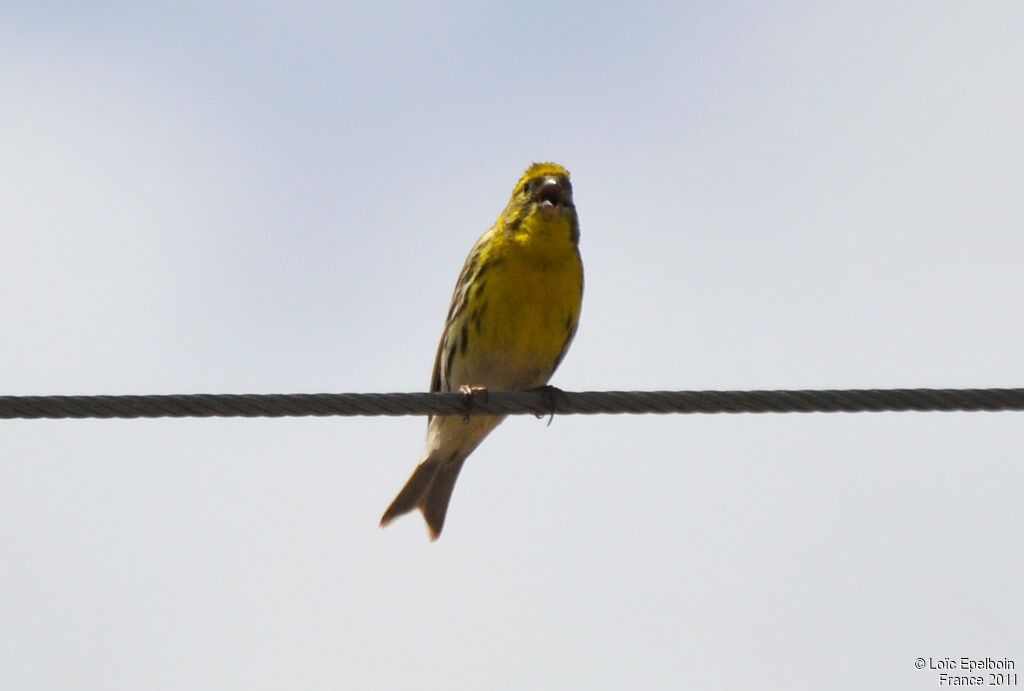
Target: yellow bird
[514,312]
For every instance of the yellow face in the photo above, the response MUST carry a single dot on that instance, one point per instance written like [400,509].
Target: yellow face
[542,200]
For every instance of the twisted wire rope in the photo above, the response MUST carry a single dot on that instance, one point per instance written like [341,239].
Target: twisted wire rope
[545,401]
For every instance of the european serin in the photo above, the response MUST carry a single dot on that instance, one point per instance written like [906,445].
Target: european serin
[512,317]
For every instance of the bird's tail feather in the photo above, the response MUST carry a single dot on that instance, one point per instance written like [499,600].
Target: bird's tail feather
[429,489]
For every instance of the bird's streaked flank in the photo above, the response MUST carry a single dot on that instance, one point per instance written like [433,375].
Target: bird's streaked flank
[514,312]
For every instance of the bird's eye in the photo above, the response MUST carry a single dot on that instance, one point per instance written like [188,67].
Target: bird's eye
[530,186]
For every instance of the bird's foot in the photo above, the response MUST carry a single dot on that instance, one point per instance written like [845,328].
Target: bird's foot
[471,395]
[550,396]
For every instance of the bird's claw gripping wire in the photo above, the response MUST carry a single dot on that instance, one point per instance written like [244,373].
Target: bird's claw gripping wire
[550,396]
[470,396]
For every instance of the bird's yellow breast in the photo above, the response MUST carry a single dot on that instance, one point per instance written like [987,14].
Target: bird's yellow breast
[527,306]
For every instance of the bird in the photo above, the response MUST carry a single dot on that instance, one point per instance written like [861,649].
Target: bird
[514,312]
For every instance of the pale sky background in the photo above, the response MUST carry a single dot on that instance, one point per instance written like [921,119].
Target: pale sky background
[272,199]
